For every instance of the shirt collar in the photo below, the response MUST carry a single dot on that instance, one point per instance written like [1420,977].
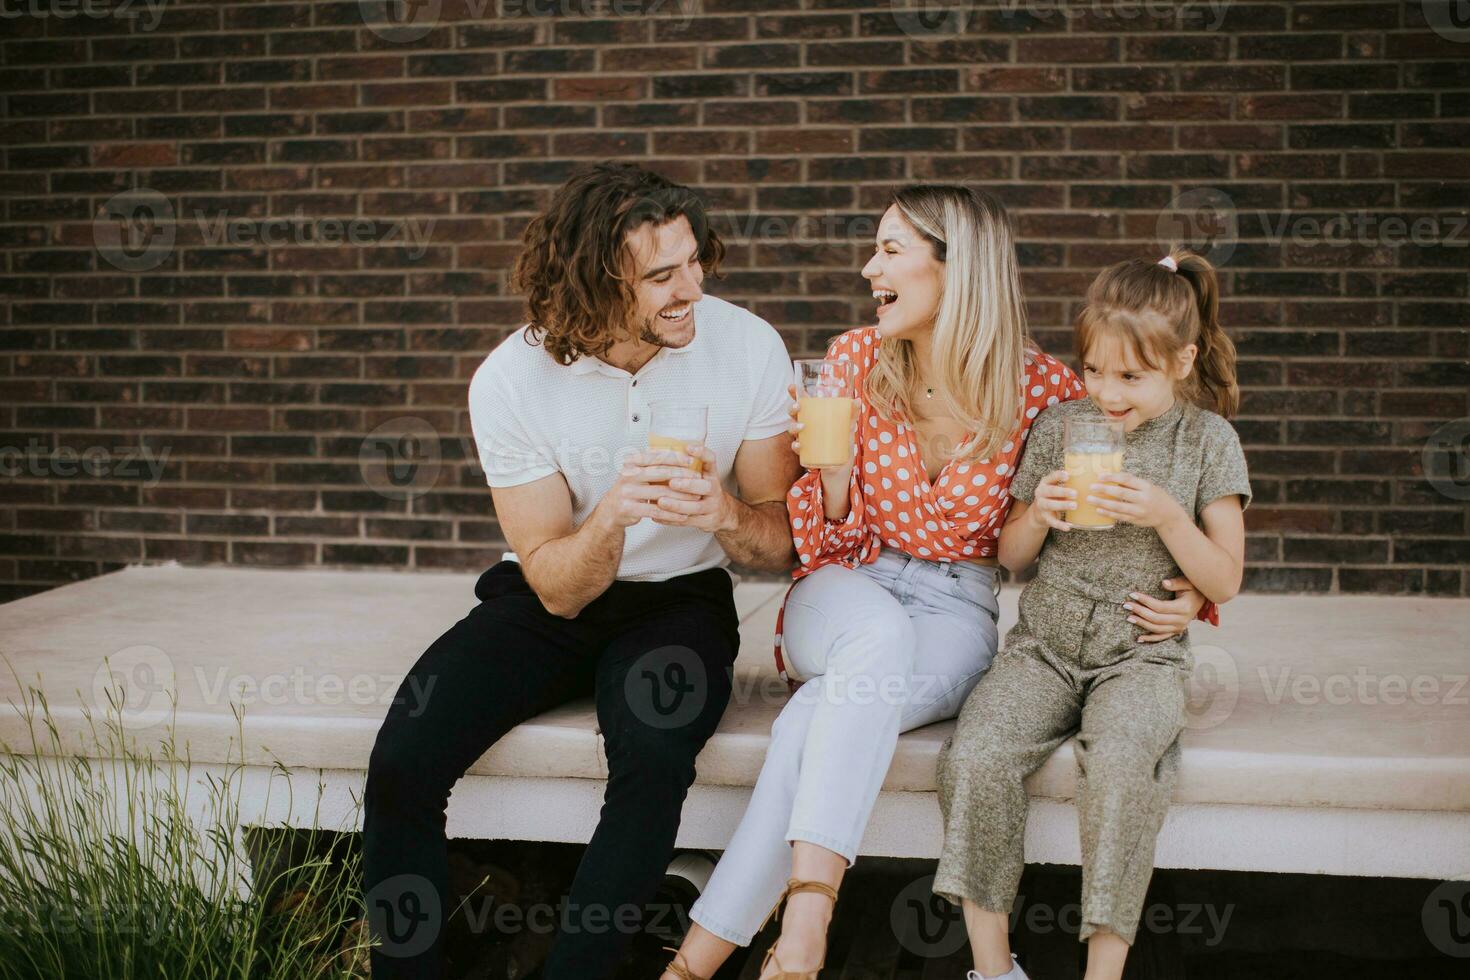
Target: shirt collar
[586,365]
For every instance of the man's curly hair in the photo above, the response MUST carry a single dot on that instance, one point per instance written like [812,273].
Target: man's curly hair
[574,269]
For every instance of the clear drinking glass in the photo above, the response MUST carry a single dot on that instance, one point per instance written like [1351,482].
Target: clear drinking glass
[677,425]
[824,398]
[1090,448]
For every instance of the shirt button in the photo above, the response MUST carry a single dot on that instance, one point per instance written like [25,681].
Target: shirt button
[635,418]
[635,382]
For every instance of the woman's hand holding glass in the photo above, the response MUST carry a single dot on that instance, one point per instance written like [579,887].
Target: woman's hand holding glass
[794,409]
[836,478]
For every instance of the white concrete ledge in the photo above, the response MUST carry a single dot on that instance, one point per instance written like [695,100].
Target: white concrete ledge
[1328,734]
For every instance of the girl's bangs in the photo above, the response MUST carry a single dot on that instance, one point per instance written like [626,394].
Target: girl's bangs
[1145,337]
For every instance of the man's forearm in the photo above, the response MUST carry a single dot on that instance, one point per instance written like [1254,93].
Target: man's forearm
[569,572]
[758,535]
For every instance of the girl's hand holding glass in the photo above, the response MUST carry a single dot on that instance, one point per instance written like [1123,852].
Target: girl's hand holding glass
[1133,500]
[1053,500]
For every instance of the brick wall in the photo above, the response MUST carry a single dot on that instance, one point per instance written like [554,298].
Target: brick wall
[238,238]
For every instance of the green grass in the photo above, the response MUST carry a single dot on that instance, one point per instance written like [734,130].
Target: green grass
[104,875]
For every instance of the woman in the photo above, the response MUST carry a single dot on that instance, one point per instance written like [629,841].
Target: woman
[893,617]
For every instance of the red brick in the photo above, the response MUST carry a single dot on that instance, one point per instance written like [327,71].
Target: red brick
[1319,106]
[1188,106]
[803,141]
[1053,79]
[136,155]
[406,93]
[608,89]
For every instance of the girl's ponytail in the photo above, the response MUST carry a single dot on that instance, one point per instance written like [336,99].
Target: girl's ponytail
[1214,364]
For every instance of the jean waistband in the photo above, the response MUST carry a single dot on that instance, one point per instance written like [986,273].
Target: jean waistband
[978,568]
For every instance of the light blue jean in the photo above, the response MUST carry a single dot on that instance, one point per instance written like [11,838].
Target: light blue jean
[880,649]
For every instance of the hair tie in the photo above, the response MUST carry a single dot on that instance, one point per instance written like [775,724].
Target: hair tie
[1168,263]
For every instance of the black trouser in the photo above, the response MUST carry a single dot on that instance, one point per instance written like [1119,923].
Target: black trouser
[658,657]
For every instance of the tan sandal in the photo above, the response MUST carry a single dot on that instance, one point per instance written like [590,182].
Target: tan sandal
[682,972]
[793,886]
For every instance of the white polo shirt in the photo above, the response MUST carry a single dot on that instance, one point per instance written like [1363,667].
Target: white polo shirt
[533,417]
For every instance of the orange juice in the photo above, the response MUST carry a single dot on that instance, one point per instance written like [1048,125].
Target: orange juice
[658,442]
[826,439]
[1082,472]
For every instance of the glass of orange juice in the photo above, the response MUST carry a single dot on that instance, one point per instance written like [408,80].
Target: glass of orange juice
[824,399]
[676,426]
[1090,449]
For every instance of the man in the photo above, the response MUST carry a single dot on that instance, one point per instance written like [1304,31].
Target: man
[617,585]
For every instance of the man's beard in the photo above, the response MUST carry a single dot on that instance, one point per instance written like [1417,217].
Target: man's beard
[649,335]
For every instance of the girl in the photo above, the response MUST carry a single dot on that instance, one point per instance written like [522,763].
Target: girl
[1155,357]
[893,617]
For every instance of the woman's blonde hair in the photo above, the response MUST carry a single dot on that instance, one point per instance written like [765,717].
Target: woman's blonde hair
[980,336]
[1156,312]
